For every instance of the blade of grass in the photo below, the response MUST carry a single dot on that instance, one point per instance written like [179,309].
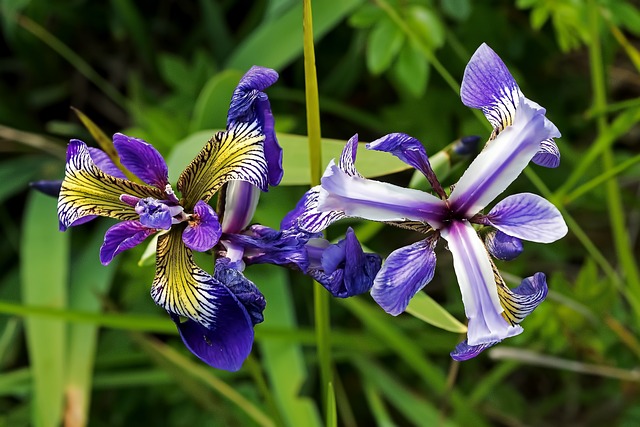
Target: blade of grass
[44,267]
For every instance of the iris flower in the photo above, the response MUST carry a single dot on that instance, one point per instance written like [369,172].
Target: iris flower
[219,310]
[521,134]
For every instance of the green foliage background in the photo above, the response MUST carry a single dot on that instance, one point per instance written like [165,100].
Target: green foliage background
[82,344]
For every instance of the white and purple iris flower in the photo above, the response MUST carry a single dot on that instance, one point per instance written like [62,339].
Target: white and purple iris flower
[215,314]
[521,134]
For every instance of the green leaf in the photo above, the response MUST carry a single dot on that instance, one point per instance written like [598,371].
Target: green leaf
[411,70]
[383,45]
[44,258]
[456,9]
[366,16]
[212,105]
[423,307]
[296,152]
[426,25]
[277,42]
[16,173]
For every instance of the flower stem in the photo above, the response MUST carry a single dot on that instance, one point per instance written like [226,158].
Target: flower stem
[320,295]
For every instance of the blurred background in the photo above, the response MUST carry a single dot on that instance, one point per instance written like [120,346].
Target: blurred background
[82,344]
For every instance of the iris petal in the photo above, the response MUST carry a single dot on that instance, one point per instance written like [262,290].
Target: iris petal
[548,155]
[104,163]
[235,154]
[528,216]
[501,162]
[86,190]
[405,272]
[518,303]
[464,351]
[203,232]
[241,199]
[503,246]
[477,282]
[306,215]
[142,159]
[122,236]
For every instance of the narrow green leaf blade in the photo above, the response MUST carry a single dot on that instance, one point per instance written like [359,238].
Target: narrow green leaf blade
[426,309]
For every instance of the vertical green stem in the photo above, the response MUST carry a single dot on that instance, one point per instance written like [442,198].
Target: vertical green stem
[321,298]
[614,202]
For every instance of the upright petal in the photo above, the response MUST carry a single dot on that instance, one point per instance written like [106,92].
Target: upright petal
[235,154]
[122,236]
[528,216]
[249,103]
[412,152]
[142,159]
[86,190]
[203,231]
[104,163]
[241,199]
[489,86]
[405,272]
[348,157]
[503,246]
[478,286]
[502,160]
[377,201]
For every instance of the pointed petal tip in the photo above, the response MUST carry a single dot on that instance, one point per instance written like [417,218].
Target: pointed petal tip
[464,351]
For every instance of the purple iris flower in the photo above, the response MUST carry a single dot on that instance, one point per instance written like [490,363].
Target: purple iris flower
[220,309]
[494,310]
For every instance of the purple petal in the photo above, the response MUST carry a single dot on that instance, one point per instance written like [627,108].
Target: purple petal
[466,145]
[48,187]
[489,86]
[306,215]
[204,230]
[104,163]
[243,289]
[122,236]
[411,151]
[478,286]
[249,103]
[464,351]
[503,246]
[241,201]
[530,217]
[142,159]
[348,157]
[521,301]
[502,160]
[548,155]
[377,201]
[405,272]
[153,213]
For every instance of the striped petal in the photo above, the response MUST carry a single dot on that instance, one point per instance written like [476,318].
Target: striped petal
[241,200]
[235,154]
[375,200]
[489,86]
[122,236]
[142,159]
[404,273]
[86,190]
[548,155]
[478,286]
[306,215]
[501,162]
[464,351]
[528,216]
[519,302]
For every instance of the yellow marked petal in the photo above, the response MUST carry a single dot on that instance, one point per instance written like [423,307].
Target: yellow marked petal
[86,190]
[235,154]
[516,306]
[180,286]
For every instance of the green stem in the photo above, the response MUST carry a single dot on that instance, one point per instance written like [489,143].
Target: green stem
[614,203]
[320,295]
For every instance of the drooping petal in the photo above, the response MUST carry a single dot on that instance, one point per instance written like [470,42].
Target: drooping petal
[241,200]
[203,231]
[464,351]
[345,269]
[249,103]
[519,302]
[412,152]
[478,286]
[306,215]
[235,154]
[502,160]
[548,155]
[489,86]
[529,217]
[104,163]
[503,246]
[404,273]
[142,159]
[86,190]
[244,290]
[375,200]
[122,236]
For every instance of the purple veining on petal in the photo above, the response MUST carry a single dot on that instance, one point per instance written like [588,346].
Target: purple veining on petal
[464,351]
[142,159]
[204,230]
[122,236]
[272,150]
[477,284]
[241,201]
[529,217]
[104,163]
[404,273]
[502,246]
[347,160]
[548,156]
[244,290]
